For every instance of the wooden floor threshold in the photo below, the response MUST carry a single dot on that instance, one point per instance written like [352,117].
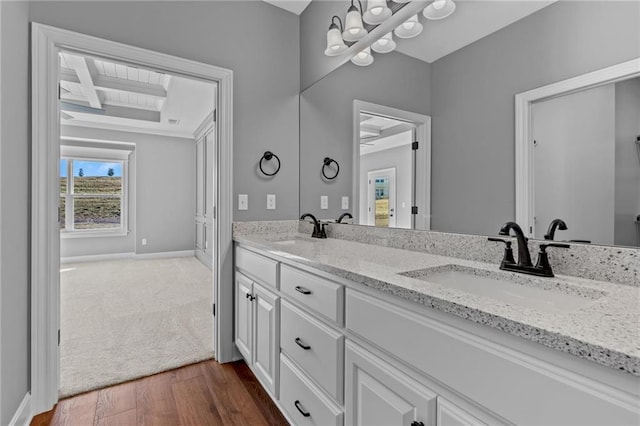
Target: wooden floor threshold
[206,393]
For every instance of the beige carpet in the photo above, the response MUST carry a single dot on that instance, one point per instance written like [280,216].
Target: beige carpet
[125,319]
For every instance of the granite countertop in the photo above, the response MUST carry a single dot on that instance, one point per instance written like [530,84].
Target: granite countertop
[604,328]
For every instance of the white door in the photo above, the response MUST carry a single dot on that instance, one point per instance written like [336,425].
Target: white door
[379,394]
[574,164]
[243,323]
[266,314]
[381,200]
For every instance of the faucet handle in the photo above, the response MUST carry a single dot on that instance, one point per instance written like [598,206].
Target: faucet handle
[543,247]
[500,240]
[508,251]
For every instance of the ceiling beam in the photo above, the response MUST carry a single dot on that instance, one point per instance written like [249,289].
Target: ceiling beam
[400,128]
[119,85]
[111,111]
[79,65]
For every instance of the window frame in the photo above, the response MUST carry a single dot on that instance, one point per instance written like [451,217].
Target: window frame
[83,153]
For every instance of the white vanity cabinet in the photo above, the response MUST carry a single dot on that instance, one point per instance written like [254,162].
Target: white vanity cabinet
[257,329]
[334,352]
[377,393]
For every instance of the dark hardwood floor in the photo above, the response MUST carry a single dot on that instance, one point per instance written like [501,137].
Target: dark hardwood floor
[206,393]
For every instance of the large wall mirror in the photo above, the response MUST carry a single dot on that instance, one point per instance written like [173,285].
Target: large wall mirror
[463,74]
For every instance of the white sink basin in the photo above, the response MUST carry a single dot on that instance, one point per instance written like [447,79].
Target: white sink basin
[543,294]
[296,241]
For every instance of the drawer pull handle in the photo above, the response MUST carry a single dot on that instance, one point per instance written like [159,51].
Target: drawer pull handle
[302,345]
[302,411]
[302,290]
[416,423]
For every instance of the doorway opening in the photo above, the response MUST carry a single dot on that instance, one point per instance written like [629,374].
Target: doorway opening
[392,151]
[136,157]
[47,43]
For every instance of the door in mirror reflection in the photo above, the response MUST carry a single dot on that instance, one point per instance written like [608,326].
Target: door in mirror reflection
[587,164]
[381,194]
[387,171]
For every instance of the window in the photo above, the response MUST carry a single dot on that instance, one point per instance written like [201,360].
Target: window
[92,194]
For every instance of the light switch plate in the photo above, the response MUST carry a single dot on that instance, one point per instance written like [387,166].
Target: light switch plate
[271,201]
[345,203]
[324,202]
[243,202]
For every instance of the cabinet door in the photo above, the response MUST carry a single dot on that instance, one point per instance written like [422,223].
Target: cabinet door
[380,394]
[266,335]
[243,316]
[451,415]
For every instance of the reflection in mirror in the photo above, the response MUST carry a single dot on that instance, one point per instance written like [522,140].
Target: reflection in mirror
[587,165]
[464,72]
[391,166]
[386,171]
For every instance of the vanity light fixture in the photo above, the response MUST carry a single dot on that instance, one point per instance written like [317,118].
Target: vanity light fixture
[384,44]
[409,28]
[363,58]
[439,9]
[335,43]
[353,27]
[377,12]
[340,38]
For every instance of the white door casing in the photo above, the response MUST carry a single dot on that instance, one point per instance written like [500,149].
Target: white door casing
[46,43]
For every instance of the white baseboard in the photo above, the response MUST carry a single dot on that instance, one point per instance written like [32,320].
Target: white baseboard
[23,415]
[96,257]
[166,254]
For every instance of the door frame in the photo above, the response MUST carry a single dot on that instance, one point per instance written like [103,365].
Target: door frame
[46,42]
[391,171]
[422,164]
[523,126]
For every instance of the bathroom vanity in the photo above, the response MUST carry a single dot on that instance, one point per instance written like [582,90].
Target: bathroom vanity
[341,332]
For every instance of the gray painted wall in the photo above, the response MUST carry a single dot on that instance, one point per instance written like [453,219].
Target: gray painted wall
[162,196]
[264,59]
[627,192]
[326,120]
[14,207]
[473,172]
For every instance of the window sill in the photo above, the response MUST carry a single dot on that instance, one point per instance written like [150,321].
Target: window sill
[64,235]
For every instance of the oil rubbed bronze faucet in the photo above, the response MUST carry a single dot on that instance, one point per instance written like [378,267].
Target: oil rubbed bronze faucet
[318,228]
[343,215]
[524,265]
[555,224]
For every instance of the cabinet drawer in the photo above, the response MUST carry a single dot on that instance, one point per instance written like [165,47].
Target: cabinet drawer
[302,401]
[260,268]
[502,380]
[322,295]
[315,347]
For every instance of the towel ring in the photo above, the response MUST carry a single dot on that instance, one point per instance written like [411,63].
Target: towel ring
[326,163]
[268,155]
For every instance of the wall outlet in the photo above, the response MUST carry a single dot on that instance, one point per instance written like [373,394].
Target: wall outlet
[243,202]
[345,203]
[324,202]
[271,201]
[144,241]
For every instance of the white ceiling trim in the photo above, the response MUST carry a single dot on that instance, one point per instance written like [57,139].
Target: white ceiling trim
[293,6]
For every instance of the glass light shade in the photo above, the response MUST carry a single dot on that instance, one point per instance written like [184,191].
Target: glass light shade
[377,12]
[439,9]
[384,44]
[335,44]
[363,58]
[409,28]
[353,29]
